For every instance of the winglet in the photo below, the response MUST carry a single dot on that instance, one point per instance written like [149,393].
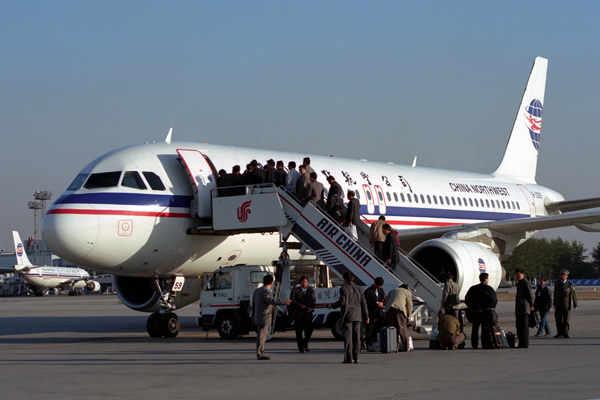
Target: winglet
[22,259]
[521,154]
[168,139]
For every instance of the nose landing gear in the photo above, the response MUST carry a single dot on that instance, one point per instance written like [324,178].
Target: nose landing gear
[166,322]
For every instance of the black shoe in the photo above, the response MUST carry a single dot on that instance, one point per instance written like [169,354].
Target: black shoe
[347,362]
[558,336]
[538,335]
[306,349]
[264,358]
[566,336]
[301,350]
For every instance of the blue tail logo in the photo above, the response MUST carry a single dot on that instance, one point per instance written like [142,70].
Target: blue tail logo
[534,117]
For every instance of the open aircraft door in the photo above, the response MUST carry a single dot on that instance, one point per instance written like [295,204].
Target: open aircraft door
[202,179]
[380,199]
[369,199]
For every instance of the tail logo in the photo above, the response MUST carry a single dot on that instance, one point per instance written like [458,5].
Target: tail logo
[533,114]
[482,267]
[19,250]
[244,211]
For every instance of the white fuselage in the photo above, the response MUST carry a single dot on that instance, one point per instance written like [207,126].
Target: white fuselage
[53,277]
[143,232]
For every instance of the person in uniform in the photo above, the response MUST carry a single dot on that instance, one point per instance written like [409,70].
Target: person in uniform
[302,307]
[480,298]
[523,307]
[564,297]
[263,308]
[449,294]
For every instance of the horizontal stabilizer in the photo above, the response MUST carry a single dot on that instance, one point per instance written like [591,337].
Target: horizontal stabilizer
[573,205]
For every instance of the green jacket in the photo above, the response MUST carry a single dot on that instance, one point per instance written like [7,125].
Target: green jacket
[563,295]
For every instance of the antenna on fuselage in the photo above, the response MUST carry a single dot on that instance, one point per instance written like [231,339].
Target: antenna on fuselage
[168,139]
[414,162]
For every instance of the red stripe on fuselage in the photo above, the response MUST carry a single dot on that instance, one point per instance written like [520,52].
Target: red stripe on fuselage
[119,212]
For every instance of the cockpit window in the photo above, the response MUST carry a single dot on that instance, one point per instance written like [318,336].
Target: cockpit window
[133,180]
[154,181]
[102,180]
[77,182]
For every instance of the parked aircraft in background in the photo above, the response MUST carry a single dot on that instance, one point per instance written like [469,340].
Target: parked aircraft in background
[134,213]
[45,276]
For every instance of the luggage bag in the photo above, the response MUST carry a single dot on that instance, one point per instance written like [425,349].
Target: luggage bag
[389,341]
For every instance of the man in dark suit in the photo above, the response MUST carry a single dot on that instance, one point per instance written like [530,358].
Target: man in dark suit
[232,182]
[258,174]
[263,308]
[332,182]
[315,191]
[480,298]
[302,307]
[389,251]
[523,307]
[354,307]
[375,298]
[352,214]
[302,183]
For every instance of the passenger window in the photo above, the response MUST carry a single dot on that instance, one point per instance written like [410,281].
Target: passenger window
[453,202]
[402,197]
[498,203]
[389,197]
[448,201]
[518,206]
[458,199]
[428,199]
[154,181]
[416,198]
[477,203]
[508,205]
[396,197]
[103,180]
[220,280]
[409,197]
[133,180]
[487,203]
[465,201]
[380,196]
[422,199]
[441,200]
[369,195]
[77,182]
[435,199]
[503,204]
[513,204]
[357,195]
[471,201]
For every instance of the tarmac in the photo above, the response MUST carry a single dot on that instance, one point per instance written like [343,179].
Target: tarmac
[93,347]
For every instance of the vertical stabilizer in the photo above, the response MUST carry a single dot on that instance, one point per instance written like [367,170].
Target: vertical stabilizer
[520,158]
[20,250]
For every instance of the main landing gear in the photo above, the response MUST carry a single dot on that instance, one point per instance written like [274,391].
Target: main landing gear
[166,322]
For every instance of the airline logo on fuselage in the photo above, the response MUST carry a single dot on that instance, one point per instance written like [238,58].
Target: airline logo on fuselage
[482,267]
[244,211]
[345,243]
[533,114]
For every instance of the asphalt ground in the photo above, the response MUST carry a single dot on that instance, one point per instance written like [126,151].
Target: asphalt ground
[92,347]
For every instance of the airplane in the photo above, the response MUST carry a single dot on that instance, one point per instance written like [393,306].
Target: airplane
[131,212]
[45,276]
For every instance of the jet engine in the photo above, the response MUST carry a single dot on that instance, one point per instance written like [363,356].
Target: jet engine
[139,294]
[465,260]
[93,286]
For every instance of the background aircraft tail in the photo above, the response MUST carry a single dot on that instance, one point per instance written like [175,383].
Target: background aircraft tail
[22,258]
[521,154]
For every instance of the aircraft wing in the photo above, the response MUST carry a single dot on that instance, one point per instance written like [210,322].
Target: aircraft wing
[573,205]
[588,221]
[89,278]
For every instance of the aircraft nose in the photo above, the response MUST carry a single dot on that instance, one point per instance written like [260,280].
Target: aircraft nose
[70,236]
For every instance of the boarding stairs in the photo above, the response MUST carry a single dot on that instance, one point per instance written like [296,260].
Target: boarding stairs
[266,208]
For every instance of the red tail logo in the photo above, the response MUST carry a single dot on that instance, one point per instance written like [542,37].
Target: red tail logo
[243,211]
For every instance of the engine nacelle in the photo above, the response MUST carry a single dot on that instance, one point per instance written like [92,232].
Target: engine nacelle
[139,294]
[465,260]
[93,286]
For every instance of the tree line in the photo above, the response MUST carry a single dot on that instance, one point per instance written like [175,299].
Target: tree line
[544,257]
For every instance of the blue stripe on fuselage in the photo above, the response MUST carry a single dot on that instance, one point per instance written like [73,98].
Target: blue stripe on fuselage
[418,212]
[129,199]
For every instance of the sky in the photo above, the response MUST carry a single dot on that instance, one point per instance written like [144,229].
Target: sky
[378,80]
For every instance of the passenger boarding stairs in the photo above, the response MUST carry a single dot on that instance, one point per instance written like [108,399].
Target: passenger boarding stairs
[266,208]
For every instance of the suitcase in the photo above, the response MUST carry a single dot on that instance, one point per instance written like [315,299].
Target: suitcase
[492,337]
[389,340]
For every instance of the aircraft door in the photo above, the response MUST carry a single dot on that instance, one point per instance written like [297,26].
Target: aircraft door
[529,199]
[380,199]
[202,179]
[369,198]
